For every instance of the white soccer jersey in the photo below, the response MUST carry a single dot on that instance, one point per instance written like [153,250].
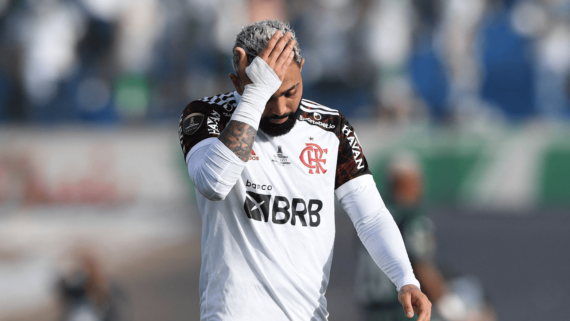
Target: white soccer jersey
[267,247]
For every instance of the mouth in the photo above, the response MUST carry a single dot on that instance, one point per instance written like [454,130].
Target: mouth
[279,121]
[277,125]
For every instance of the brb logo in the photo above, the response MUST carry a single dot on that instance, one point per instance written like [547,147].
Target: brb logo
[258,207]
[312,157]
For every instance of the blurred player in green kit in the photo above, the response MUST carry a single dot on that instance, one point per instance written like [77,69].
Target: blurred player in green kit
[375,294]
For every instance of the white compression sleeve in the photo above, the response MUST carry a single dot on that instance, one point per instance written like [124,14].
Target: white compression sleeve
[255,95]
[376,228]
[213,168]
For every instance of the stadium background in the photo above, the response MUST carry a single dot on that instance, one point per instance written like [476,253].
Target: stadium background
[91,92]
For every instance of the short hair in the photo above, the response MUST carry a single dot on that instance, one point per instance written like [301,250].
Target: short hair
[254,37]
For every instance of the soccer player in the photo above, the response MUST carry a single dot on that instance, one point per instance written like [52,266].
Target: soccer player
[266,165]
[377,297]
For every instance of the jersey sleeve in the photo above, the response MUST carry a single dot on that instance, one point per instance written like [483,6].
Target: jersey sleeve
[200,121]
[351,162]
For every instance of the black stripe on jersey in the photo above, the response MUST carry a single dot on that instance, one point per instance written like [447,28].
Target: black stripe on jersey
[320,107]
[315,110]
[308,107]
[312,104]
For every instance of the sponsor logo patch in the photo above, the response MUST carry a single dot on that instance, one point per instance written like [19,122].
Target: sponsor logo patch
[354,144]
[256,206]
[192,122]
[228,107]
[283,210]
[317,122]
[212,123]
[265,187]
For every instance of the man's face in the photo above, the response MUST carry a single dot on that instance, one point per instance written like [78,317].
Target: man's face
[279,116]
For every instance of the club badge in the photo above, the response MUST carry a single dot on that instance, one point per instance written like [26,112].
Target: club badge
[313,157]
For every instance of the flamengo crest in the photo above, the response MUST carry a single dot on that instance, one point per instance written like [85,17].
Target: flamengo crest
[312,157]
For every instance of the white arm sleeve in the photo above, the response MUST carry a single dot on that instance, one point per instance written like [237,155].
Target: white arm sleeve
[376,228]
[213,168]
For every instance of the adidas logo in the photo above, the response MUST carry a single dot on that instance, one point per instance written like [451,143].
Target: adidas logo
[253,156]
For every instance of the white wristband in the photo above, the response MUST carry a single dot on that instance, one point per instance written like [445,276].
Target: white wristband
[255,96]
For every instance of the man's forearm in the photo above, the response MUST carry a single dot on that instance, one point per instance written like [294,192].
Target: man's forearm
[376,228]
[218,166]
[215,182]
[239,138]
[240,132]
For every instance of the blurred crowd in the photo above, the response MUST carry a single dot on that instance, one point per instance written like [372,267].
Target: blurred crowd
[141,61]
[109,61]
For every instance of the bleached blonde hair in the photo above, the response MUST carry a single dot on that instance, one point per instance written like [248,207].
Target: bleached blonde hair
[254,37]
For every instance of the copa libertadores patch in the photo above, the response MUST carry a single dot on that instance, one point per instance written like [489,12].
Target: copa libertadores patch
[192,122]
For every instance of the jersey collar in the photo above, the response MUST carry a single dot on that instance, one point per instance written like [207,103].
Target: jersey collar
[237,97]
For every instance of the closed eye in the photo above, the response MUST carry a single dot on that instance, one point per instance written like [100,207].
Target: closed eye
[290,93]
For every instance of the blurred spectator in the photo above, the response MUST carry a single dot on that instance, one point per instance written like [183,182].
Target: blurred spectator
[461,299]
[87,294]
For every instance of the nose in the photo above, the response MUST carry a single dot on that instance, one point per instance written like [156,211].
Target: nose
[279,106]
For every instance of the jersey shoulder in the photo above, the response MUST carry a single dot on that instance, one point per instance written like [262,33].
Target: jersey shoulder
[205,118]
[221,106]
[351,162]
[226,101]
[321,116]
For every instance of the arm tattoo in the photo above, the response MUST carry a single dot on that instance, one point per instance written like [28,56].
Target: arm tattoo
[239,137]
[407,288]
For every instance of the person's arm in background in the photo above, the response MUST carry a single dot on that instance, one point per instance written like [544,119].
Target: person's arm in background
[214,165]
[419,239]
[405,189]
[433,284]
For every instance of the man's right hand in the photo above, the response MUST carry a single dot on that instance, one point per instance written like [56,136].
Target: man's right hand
[413,300]
[278,54]
[276,57]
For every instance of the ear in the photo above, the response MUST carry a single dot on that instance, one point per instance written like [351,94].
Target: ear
[301,64]
[237,83]
[242,59]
